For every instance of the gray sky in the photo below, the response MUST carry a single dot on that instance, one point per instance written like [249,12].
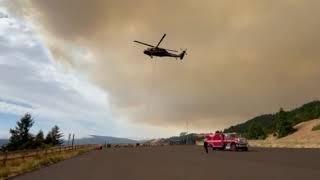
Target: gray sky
[244,58]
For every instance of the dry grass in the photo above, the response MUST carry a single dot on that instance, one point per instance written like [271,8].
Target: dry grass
[284,144]
[304,137]
[316,128]
[20,166]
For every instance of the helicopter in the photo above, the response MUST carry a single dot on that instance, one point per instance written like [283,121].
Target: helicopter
[161,52]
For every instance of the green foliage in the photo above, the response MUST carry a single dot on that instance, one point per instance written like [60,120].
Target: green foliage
[272,123]
[39,140]
[306,112]
[21,138]
[265,121]
[283,126]
[316,128]
[262,124]
[255,131]
[40,137]
[54,137]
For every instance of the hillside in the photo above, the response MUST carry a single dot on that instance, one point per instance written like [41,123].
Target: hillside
[93,139]
[265,121]
[265,124]
[304,136]
[177,140]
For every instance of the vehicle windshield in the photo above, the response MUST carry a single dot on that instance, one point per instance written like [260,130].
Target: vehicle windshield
[233,135]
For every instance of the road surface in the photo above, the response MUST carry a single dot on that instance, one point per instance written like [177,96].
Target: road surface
[186,163]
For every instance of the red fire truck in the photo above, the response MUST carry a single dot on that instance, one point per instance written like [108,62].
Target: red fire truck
[226,141]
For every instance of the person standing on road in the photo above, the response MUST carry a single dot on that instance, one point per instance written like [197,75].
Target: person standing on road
[205,145]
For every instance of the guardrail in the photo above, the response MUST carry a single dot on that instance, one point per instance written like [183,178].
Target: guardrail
[13,155]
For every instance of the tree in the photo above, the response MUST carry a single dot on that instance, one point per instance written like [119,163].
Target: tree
[283,126]
[255,131]
[39,140]
[20,135]
[40,136]
[54,137]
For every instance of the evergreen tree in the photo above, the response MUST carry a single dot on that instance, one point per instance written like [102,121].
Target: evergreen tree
[283,126]
[39,140]
[255,131]
[20,135]
[54,137]
[40,136]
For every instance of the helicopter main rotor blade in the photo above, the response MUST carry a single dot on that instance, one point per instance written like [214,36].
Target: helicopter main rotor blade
[161,40]
[143,43]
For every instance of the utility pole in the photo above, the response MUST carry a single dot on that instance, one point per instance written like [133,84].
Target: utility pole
[69,137]
[187,127]
[187,131]
[72,140]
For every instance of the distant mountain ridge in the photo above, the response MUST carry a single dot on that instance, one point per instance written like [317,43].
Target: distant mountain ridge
[95,139]
[306,112]
[3,141]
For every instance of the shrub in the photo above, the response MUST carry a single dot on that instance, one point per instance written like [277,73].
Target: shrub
[316,128]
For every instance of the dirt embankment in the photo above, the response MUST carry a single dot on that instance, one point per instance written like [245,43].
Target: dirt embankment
[304,137]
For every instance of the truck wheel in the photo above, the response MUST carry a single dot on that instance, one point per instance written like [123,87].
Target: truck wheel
[224,147]
[234,147]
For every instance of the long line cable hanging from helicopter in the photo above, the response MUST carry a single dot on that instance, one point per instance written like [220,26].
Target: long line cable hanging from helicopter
[151,89]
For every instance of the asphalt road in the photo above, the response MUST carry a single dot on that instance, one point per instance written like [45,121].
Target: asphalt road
[184,162]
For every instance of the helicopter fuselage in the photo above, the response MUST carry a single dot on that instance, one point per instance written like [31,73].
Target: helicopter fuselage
[157,52]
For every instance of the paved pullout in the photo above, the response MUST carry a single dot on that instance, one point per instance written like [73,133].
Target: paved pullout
[184,162]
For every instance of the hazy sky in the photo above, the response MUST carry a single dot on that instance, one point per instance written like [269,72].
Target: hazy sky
[244,58]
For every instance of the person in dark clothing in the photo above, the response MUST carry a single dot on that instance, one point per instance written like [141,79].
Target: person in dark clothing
[205,145]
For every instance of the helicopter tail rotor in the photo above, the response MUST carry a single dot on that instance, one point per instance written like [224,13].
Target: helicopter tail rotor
[184,52]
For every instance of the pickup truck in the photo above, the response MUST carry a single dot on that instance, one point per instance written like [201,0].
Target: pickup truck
[226,141]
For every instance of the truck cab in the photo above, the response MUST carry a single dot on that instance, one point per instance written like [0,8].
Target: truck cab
[226,141]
